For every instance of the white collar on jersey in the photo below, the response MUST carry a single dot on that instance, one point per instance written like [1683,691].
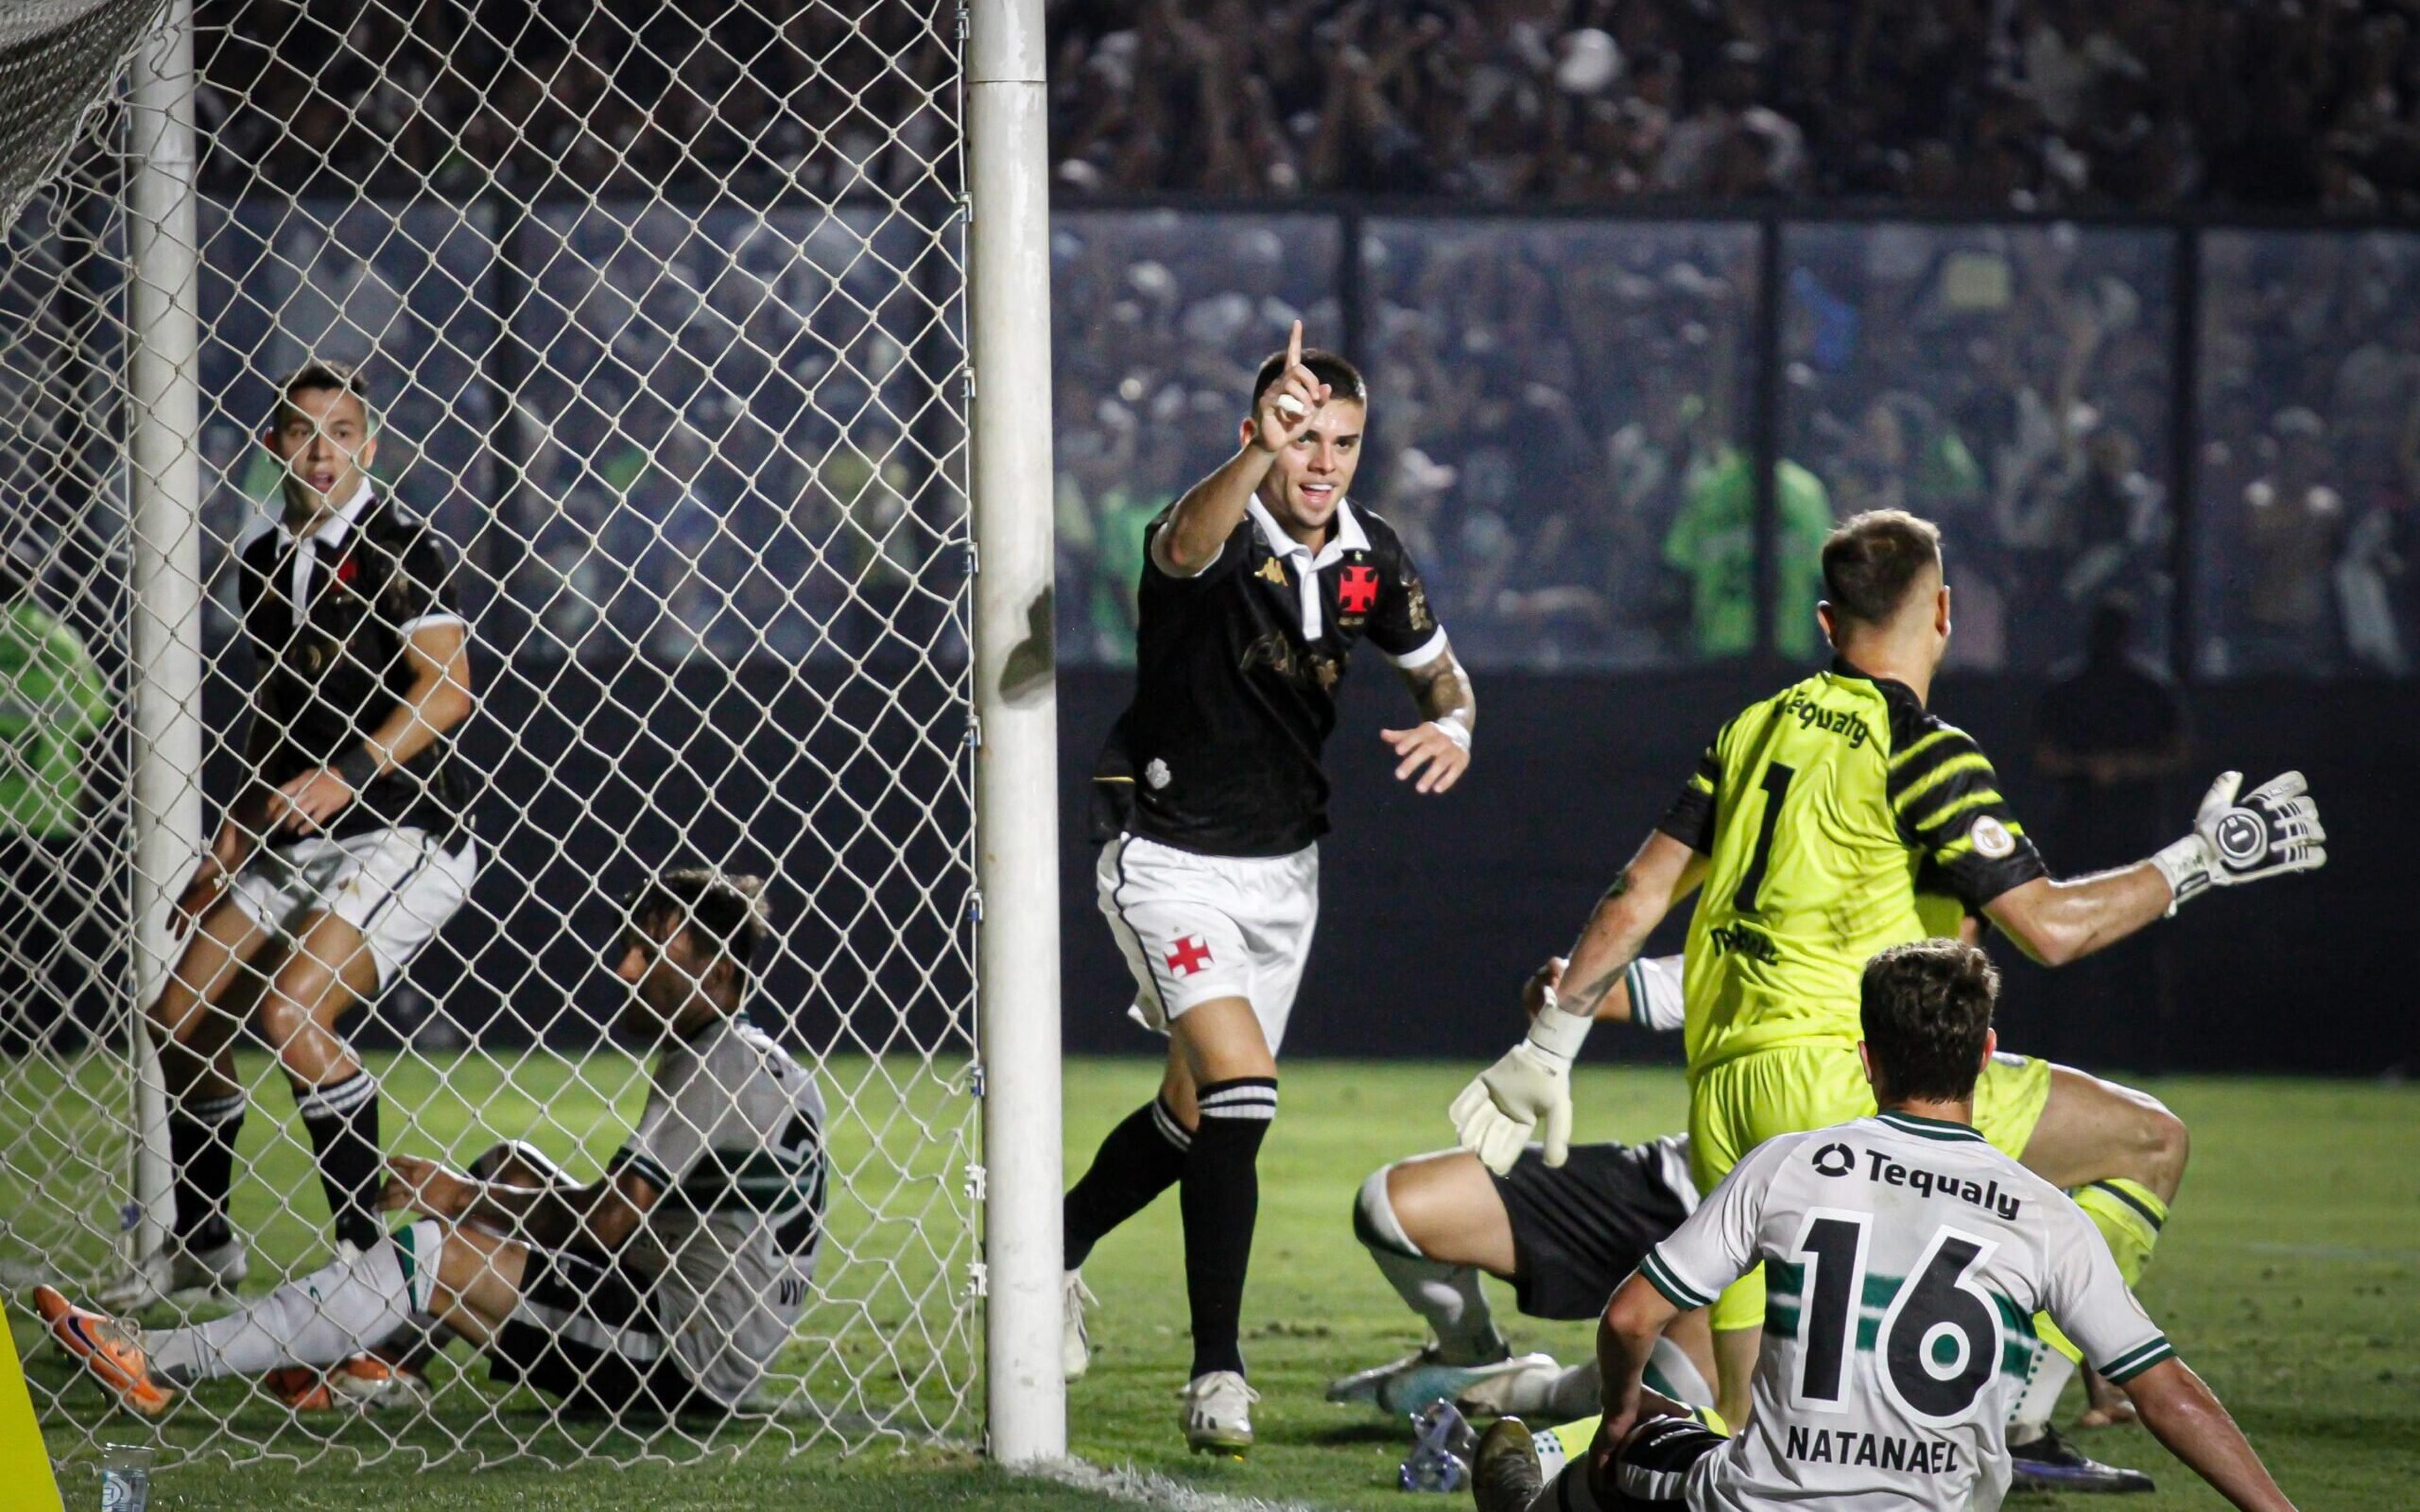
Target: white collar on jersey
[330,535]
[1347,536]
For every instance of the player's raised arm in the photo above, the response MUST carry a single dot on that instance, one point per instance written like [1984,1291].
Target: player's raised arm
[2266,833]
[1283,414]
[1531,1083]
[2183,1413]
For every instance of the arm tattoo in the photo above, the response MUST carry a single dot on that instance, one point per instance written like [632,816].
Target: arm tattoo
[1586,998]
[1442,691]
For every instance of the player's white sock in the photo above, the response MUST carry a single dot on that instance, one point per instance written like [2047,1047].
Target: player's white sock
[2031,1416]
[1671,1372]
[337,1311]
[1447,1295]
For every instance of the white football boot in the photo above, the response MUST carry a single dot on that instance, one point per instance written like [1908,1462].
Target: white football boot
[1074,1339]
[1219,1413]
[1412,1383]
[179,1275]
[1535,1388]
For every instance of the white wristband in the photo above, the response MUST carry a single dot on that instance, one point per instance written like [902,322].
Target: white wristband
[1455,730]
[1558,1033]
[2185,865]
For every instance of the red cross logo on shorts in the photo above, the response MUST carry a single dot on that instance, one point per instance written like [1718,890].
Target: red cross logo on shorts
[1188,955]
[1356,592]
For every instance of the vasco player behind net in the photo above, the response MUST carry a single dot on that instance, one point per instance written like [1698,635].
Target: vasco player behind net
[1257,584]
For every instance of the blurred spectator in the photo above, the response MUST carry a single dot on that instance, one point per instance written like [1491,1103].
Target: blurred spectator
[2294,523]
[53,701]
[1714,543]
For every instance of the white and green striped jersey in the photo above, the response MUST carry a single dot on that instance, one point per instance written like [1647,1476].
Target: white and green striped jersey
[1904,1261]
[733,1137]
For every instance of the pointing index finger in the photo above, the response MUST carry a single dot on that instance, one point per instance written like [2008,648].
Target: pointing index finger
[1294,347]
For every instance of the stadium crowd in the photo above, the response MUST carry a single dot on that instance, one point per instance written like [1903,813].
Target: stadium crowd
[1560,410]
[2031,104]
[1563,406]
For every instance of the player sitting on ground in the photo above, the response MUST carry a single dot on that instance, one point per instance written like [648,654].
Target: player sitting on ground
[1561,1237]
[1910,1215]
[667,1285]
[1564,1236]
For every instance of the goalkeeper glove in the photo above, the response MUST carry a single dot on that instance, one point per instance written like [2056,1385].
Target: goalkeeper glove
[2268,832]
[1532,1082]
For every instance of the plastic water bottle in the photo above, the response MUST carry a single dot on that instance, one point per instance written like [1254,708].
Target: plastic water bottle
[1442,1445]
[125,1477]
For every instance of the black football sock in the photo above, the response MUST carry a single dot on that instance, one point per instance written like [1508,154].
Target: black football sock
[1221,1200]
[201,1148]
[343,1118]
[1143,1157]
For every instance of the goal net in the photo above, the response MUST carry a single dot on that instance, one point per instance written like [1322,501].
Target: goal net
[662,310]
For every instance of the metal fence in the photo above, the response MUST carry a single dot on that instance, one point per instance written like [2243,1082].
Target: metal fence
[1576,421]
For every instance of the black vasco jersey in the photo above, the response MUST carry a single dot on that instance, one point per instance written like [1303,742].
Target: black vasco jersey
[331,675]
[1235,677]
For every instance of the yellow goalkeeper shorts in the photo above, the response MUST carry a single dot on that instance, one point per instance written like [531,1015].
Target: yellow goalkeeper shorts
[1740,1103]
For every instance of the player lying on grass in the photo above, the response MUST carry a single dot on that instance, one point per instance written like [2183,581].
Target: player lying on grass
[1908,1257]
[667,1285]
[1801,836]
[1564,1236]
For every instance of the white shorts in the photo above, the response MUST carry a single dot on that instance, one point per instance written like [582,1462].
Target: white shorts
[397,887]
[1197,926]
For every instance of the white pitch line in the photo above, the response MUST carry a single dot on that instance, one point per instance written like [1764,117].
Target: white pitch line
[1143,1488]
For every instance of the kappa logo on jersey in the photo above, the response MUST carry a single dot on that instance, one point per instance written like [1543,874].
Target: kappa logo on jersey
[1188,955]
[1991,839]
[1835,1160]
[1271,571]
[1357,591]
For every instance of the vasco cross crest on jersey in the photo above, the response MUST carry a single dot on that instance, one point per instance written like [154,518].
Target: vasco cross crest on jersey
[1188,955]
[1357,591]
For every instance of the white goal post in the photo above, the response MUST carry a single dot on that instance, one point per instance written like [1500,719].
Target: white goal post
[710,338]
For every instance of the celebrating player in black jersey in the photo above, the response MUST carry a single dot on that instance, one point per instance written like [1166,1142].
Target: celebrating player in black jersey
[346,849]
[1256,586]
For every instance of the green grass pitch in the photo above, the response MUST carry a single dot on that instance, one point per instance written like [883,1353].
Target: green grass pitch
[2285,1276]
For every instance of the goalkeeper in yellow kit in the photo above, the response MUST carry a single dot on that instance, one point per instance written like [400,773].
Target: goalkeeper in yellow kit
[1807,824]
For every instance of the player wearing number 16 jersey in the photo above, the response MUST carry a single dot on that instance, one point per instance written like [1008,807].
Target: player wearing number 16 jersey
[1906,1258]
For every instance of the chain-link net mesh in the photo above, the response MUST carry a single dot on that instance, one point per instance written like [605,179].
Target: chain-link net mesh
[661,308]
